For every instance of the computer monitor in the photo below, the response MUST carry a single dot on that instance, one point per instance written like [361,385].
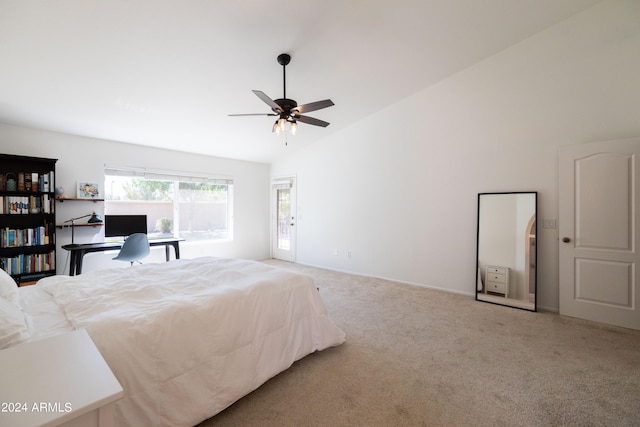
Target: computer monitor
[124,225]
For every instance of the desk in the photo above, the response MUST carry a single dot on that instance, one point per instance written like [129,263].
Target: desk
[78,251]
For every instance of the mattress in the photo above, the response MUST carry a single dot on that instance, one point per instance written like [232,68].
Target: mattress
[186,338]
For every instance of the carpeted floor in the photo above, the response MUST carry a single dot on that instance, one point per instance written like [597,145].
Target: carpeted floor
[421,357]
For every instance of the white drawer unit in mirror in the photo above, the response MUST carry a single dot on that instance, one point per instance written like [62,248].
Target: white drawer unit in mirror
[497,280]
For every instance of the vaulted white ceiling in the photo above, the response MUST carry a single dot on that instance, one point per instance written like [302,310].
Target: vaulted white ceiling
[167,73]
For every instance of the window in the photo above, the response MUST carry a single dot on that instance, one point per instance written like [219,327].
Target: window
[194,208]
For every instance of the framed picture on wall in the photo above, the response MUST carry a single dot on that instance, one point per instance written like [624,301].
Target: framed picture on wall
[88,190]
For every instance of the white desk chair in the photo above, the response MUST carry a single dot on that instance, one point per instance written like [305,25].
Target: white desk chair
[135,247]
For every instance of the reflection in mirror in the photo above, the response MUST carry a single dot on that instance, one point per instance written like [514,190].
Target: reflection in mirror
[506,256]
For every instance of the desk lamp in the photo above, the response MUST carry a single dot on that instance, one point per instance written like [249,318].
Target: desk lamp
[95,219]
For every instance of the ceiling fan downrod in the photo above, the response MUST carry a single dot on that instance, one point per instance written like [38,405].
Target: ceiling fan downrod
[284,59]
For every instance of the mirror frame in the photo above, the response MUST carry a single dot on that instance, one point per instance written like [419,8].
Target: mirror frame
[508,301]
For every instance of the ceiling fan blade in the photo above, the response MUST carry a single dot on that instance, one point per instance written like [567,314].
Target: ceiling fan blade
[313,106]
[253,114]
[311,121]
[270,102]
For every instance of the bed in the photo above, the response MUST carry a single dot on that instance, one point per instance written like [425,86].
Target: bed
[185,338]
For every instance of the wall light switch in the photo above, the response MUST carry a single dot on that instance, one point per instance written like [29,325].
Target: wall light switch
[549,223]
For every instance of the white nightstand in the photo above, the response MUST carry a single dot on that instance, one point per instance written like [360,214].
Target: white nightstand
[496,279]
[58,381]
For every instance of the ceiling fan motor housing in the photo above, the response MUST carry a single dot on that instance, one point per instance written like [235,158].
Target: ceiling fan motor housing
[286,104]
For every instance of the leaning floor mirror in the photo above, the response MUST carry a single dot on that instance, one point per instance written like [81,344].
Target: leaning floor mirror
[506,255]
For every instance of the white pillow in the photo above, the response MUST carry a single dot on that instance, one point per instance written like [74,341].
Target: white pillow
[8,288]
[13,327]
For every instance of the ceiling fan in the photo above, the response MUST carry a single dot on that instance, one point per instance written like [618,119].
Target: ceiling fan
[287,110]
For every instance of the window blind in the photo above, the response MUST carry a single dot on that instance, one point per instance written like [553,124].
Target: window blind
[166,175]
[281,183]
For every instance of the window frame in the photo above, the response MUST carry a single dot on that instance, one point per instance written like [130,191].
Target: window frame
[178,177]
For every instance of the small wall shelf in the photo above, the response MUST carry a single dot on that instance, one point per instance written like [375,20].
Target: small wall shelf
[62,199]
[98,224]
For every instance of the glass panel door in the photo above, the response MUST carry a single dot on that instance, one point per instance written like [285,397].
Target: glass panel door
[283,239]
[283,225]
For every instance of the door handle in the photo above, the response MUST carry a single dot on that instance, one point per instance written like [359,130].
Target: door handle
[566,239]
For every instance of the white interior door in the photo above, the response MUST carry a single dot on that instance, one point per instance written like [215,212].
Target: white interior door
[598,189]
[283,218]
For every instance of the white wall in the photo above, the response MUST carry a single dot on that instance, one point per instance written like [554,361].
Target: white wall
[83,159]
[398,189]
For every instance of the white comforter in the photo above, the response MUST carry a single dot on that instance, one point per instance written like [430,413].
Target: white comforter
[188,338]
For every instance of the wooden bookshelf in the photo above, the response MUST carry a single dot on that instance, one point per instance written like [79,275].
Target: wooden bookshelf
[27,217]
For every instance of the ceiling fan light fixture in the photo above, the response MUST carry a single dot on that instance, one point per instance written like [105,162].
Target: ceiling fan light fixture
[294,127]
[283,124]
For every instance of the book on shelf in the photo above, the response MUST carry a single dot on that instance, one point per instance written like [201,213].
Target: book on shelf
[44,183]
[11,238]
